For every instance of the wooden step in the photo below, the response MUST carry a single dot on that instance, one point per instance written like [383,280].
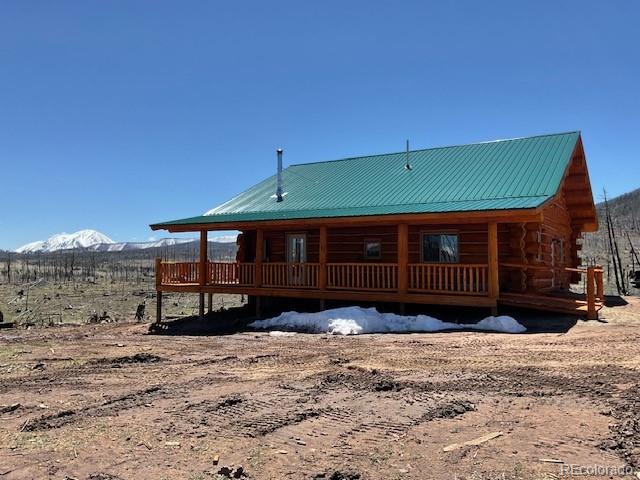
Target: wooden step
[547,303]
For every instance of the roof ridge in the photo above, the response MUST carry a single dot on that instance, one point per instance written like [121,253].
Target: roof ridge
[435,148]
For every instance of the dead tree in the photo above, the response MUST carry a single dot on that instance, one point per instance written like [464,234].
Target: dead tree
[9,267]
[613,248]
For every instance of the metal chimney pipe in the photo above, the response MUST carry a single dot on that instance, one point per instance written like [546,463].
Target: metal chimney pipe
[279,177]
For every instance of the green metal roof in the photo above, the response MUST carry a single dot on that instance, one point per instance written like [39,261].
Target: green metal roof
[518,173]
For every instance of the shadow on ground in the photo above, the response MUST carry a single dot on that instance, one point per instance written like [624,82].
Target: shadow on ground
[614,301]
[236,320]
[222,322]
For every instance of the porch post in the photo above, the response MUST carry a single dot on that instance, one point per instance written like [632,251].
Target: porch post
[257,279]
[322,275]
[158,291]
[203,269]
[494,283]
[403,257]
[599,284]
[158,306]
[592,313]
[258,260]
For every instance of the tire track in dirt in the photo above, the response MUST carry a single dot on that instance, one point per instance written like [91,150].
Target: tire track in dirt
[107,408]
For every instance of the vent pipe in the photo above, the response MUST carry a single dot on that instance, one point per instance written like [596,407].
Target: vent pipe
[279,177]
[407,164]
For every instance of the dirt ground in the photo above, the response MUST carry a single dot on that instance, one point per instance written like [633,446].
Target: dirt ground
[110,401]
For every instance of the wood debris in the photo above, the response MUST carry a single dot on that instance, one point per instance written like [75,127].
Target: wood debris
[474,442]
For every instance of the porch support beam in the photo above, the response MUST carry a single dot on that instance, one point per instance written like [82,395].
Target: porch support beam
[259,254]
[202,271]
[592,313]
[494,283]
[158,291]
[322,275]
[158,306]
[403,257]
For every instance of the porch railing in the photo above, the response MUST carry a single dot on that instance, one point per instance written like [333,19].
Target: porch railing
[362,276]
[469,279]
[224,273]
[177,273]
[283,274]
[454,278]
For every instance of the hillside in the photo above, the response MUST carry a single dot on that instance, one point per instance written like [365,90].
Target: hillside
[625,209]
[625,212]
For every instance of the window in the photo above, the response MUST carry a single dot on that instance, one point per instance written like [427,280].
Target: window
[440,247]
[539,255]
[372,249]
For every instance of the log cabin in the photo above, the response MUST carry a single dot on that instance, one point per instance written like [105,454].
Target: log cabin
[480,225]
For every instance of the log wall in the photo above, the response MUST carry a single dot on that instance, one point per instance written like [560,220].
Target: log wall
[346,245]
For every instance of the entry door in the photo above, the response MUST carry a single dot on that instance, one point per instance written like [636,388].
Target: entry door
[296,257]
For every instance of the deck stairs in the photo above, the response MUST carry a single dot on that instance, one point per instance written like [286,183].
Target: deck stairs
[551,303]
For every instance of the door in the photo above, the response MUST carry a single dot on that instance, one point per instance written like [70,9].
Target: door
[296,257]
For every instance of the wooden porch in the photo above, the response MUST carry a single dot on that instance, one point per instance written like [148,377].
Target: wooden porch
[444,284]
[458,279]
[264,268]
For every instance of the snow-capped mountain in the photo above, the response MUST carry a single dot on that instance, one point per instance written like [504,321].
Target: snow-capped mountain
[125,246]
[66,241]
[224,239]
[31,247]
[98,242]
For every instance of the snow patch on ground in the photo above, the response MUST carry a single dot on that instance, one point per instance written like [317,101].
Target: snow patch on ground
[357,320]
[280,333]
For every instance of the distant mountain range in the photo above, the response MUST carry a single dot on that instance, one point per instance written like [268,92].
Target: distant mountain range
[92,240]
[625,213]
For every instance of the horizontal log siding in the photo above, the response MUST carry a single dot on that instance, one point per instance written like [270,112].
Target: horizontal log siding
[530,245]
[346,245]
[277,245]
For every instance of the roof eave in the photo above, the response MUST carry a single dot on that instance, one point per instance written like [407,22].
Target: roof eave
[517,215]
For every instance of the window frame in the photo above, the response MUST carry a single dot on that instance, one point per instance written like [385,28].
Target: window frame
[365,251]
[540,252]
[423,233]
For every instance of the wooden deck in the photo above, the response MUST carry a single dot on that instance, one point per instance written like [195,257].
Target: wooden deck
[427,278]
[428,283]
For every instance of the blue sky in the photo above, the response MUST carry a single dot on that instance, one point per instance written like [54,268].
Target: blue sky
[114,115]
